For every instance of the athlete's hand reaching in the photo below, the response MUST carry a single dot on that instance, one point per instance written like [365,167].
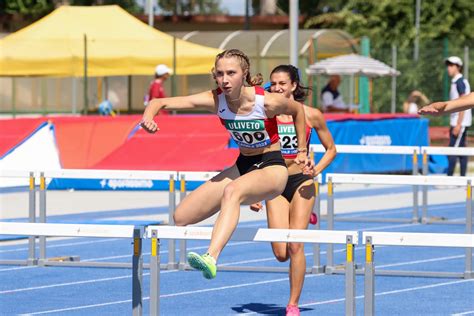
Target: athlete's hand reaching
[434,109]
[149,125]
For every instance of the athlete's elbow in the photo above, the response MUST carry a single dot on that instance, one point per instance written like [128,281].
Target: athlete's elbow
[332,151]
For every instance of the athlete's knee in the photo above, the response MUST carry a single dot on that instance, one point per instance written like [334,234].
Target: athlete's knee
[295,248]
[179,219]
[281,253]
[231,192]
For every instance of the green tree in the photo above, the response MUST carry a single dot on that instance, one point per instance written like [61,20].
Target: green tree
[39,8]
[394,21]
[306,7]
[389,23]
[35,8]
[191,7]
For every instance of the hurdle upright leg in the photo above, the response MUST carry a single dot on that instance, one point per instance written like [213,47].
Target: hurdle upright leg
[182,242]
[316,247]
[468,274]
[350,278]
[155,275]
[424,208]
[369,279]
[415,217]
[137,273]
[172,209]
[330,223]
[32,219]
[42,219]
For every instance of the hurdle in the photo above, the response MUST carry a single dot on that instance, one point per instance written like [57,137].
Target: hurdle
[447,151]
[414,151]
[91,231]
[193,178]
[30,175]
[335,178]
[372,239]
[93,174]
[157,233]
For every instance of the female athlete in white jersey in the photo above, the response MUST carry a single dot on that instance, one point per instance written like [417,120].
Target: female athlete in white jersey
[292,209]
[260,172]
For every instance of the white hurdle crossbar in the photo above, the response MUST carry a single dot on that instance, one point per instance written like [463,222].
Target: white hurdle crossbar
[414,151]
[335,178]
[30,175]
[433,150]
[92,231]
[94,174]
[372,239]
[155,233]
[184,177]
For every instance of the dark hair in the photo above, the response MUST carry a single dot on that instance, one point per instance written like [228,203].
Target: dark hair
[301,92]
[244,63]
[460,68]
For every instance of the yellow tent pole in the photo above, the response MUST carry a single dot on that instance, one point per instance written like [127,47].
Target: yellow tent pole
[14,97]
[58,93]
[173,77]
[100,89]
[129,94]
[86,101]
[44,95]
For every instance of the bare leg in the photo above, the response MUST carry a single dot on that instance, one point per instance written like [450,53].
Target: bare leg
[300,211]
[205,201]
[252,187]
[278,216]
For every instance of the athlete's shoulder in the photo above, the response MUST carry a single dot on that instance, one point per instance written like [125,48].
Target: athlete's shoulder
[314,116]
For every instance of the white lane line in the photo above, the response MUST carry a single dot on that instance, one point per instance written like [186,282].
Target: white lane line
[225,264]
[463,313]
[252,284]
[78,307]
[434,207]
[420,261]
[18,268]
[129,255]
[170,295]
[65,284]
[376,294]
[65,245]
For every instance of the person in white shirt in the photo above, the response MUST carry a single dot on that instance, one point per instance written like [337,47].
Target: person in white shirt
[459,121]
[331,98]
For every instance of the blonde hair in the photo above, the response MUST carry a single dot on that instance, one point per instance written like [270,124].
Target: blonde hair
[244,64]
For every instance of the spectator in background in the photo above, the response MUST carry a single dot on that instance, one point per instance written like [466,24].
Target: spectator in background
[459,121]
[156,90]
[415,101]
[331,99]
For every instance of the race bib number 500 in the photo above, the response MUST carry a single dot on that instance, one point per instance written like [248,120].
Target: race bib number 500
[249,133]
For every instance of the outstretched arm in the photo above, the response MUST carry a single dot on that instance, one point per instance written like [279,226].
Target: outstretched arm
[316,118]
[205,100]
[438,108]
[276,104]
